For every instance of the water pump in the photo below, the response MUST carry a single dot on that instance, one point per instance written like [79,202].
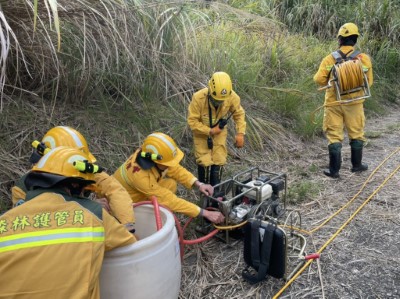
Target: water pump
[247,194]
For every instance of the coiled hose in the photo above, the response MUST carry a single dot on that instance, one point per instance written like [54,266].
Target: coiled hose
[350,76]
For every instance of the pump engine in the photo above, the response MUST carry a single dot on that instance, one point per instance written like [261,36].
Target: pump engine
[248,194]
[256,196]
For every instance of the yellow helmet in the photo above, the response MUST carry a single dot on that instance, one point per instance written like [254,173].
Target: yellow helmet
[59,164]
[161,149]
[220,86]
[348,29]
[67,136]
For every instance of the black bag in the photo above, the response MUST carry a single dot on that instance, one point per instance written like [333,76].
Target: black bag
[264,250]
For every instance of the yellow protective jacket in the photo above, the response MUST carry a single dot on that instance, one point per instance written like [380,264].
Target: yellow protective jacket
[52,246]
[106,186]
[141,184]
[120,201]
[199,122]
[324,74]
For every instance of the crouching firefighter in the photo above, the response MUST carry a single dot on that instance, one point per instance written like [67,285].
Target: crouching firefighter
[346,75]
[108,191]
[209,112]
[53,244]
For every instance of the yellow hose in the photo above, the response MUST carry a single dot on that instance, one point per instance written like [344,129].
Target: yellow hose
[341,227]
[229,227]
[355,196]
[349,75]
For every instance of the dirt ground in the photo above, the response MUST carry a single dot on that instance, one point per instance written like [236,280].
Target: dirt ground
[361,261]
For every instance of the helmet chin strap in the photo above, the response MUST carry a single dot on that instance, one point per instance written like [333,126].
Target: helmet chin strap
[214,102]
[161,167]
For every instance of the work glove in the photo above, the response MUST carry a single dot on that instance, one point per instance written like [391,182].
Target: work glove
[215,131]
[239,140]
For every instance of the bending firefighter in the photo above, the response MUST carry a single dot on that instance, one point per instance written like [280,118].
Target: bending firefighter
[53,245]
[108,190]
[154,169]
[209,112]
[351,74]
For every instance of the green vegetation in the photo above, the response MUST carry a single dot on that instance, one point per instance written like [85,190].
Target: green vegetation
[302,191]
[118,70]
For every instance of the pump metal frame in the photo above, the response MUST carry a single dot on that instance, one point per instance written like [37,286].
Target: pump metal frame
[235,188]
[228,188]
[252,174]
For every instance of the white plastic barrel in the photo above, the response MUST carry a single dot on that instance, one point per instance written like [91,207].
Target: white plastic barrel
[147,269]
[265,190]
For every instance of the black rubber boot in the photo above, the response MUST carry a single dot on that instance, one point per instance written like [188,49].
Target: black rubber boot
[215,174]
[356,156]
[335,160]
[203,174]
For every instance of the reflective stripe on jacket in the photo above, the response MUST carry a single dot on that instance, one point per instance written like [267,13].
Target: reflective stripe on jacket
[52,246]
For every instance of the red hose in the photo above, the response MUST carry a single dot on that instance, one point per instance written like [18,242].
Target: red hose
[312,256]
[154,201]
[182,241]
[157,215]
[202,239]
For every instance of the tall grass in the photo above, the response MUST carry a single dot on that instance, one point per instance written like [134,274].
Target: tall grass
[106,48]
[377,18]
[118,70]
[143,57]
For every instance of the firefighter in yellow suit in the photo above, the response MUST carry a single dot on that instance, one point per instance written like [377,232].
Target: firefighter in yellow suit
[208,114]
[154,170]
[338,116]
[109,191]
[52,245]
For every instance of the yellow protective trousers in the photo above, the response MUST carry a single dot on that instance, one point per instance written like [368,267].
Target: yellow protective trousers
[338,117]
[199,122]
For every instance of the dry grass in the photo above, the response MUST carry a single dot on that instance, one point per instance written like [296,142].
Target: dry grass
[94,69]
[96,46]
[361,262]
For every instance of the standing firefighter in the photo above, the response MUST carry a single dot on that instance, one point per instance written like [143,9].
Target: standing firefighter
[209,112]
[346,75]
[52,245]
[154,170]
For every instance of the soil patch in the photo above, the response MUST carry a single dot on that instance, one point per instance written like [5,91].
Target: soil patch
[363,261]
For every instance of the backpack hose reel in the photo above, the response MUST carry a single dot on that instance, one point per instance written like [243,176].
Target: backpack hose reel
[349,77]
